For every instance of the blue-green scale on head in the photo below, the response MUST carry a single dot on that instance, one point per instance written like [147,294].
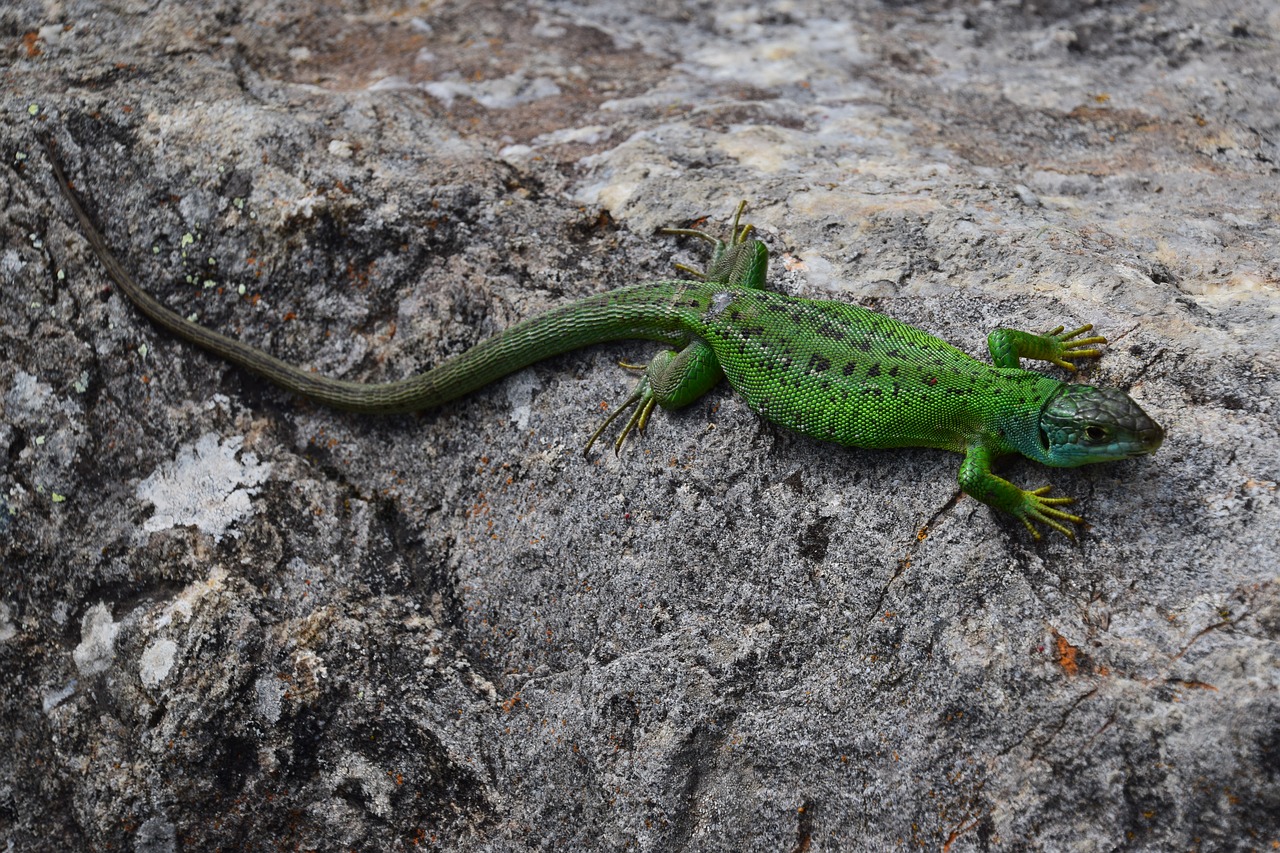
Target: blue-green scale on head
[1080,425]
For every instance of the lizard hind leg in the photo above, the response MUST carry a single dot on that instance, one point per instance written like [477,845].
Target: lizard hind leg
[672,380]
[736,235]
[738,261]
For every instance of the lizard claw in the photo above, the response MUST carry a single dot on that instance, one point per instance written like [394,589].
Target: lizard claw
[644,401]
[736,235]
[1036,507]
[736,261]
[1082,348]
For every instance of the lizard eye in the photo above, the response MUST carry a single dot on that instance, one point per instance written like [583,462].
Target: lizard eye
[1095,433]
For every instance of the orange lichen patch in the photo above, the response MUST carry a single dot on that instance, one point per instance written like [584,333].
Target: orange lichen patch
[957,832]
[1068,655]
[31,41]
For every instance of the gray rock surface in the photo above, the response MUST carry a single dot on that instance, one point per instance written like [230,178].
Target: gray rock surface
[232,619]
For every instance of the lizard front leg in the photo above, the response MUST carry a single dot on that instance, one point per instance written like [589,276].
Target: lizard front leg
[1057,347]
[977,480]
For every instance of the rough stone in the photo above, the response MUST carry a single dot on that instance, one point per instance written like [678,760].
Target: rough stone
[233,619]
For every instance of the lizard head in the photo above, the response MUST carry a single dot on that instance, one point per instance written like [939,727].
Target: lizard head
[1081,424]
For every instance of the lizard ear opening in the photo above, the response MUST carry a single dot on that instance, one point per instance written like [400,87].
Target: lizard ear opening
[1044,440]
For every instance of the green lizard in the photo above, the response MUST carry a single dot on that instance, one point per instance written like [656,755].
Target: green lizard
[829,370]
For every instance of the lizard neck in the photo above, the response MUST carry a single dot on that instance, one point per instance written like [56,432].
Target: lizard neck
[1013,416]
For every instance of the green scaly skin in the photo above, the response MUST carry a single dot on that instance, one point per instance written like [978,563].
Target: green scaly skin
[829,370]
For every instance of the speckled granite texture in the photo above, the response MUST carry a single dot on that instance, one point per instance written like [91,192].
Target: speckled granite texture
[230,619]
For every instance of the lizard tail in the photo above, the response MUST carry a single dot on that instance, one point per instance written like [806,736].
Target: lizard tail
[641,311]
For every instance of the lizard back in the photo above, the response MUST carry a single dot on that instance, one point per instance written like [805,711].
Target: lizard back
[844,373]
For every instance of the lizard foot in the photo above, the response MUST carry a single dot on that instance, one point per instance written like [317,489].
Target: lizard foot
[736,235]
[642,398]
[671,380]
[1060,351]
[736,262]
[1036,507]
